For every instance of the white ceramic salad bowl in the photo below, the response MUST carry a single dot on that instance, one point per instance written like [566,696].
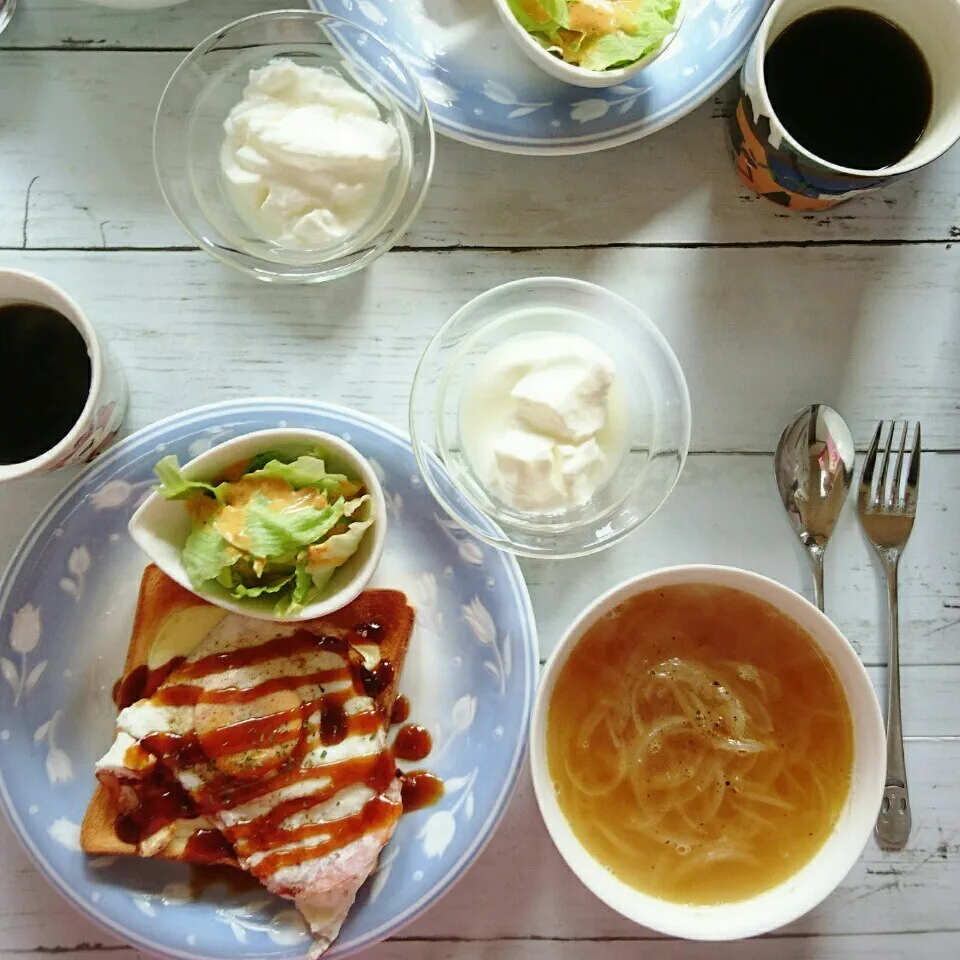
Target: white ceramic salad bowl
[160,527]
[569,73]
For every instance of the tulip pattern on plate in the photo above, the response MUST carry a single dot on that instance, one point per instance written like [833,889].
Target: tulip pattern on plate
[22,674]
[58,764]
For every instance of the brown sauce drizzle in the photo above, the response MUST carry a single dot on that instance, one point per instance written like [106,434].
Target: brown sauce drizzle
[142,682]
[412,742]
[128,830]
[377,772]
[181,750]
[207,846]
[375,815]
[280,648]
[321,722]
[189,694]
[377,680]
[420,789]
[260,733]
[254,733]
[334,725]
[161,800]
[401,710]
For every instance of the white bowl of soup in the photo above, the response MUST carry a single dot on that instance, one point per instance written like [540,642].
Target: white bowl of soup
[708,752]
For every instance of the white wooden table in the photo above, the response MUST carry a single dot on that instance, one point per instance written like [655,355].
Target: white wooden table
[766,311]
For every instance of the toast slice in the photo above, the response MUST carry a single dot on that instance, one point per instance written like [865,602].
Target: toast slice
[169,625]
[161,601]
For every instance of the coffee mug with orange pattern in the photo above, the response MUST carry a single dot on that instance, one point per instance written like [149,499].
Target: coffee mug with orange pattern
[774,164]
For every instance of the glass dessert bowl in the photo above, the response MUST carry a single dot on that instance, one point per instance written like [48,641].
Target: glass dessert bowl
[552,476]
[262,73]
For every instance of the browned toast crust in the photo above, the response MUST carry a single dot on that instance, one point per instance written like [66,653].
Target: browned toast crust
[159,598]
[98,834]
[384,615]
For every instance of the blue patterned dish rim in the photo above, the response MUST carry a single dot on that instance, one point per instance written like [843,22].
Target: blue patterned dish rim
[471,675]
[483,90]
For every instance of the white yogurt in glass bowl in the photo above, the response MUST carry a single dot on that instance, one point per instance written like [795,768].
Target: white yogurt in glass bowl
[558,409]
[543,421]
[306,156]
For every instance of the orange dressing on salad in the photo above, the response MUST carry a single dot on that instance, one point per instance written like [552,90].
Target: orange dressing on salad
[534,11]
[230,520]
[600,16]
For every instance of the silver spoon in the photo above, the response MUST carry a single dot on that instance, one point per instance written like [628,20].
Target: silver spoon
[814,469]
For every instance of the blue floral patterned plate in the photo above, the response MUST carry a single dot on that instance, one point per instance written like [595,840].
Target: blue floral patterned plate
[66,609]
[483,90]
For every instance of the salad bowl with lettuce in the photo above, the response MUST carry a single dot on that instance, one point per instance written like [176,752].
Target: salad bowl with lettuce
[279,524]
[592,43]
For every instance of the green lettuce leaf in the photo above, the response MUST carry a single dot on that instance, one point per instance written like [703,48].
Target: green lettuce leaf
[352,506]
[206,555]
[306,471]
[175,486]
[613,50]
[324,558]
[262,459]
[655,19]
[303,591]
[240,590]
[280,533]
[599,51]
[557,10]
[550,27]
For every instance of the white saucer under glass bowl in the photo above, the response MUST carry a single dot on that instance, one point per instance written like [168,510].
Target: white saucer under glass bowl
[656,415]
[188,135]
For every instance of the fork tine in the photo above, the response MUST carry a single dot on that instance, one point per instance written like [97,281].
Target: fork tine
[866,475]
[878,497]
[913,474]
[894,499]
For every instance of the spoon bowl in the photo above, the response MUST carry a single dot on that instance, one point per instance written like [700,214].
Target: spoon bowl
[814,469]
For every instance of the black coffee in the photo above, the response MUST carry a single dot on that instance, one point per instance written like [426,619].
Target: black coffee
[44,379]
[850,86]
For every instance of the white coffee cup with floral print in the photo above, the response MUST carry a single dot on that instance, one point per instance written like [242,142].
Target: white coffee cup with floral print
[106,401]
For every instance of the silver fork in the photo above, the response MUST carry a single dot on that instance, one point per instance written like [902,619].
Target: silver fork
[887,518]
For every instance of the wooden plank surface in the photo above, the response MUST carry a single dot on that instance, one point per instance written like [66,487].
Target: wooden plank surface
[881,947]
[87,153]
[875,331]
[766,311]
[520,889]
[74,25]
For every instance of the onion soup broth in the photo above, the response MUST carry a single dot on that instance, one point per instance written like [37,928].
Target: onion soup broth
[700,745]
